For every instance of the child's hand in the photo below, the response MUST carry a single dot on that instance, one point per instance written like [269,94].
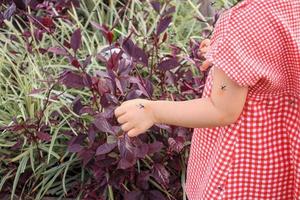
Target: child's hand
[203,48]
[136,116]
[204,45]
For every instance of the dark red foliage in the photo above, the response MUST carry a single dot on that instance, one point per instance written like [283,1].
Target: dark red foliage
[47,22]
[44,136]
[163,24]
[9,11]
[58,50]
[105,148]
[134,51]
[73,80]
[168,64]
[107,33]
[108,156]
[76,40]
[156,5]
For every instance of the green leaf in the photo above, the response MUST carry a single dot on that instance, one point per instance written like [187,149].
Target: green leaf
[20,170]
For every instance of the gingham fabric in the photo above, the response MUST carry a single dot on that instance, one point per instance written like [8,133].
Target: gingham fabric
[256,43]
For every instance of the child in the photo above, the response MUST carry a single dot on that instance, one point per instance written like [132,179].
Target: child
[246,140]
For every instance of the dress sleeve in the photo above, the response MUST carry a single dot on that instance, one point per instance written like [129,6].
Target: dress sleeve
[235,47]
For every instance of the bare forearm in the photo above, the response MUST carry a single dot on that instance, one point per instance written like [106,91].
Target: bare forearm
[196,113]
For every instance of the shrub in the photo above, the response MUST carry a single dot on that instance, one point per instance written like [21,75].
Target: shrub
[65,66]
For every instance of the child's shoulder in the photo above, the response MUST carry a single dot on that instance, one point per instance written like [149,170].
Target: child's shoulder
[250,12]
[260,5]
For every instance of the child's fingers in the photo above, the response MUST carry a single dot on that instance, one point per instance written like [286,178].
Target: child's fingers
[203,50]
[205,43]
[206,64]
[204,46]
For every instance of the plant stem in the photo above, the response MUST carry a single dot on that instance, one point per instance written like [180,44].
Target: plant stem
[111,194]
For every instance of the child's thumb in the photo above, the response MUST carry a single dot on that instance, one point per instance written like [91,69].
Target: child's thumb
[205,65]
[204,43]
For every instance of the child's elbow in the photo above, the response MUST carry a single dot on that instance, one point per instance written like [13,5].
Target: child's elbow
[227,119]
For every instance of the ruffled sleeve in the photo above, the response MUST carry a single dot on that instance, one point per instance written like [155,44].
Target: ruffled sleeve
[239,45]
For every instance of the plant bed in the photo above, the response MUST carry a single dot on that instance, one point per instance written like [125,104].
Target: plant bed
[64,67]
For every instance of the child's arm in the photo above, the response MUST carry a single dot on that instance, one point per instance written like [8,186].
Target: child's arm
[223,107]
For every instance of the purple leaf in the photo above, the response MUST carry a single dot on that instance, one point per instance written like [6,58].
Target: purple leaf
[155,194]
[9,11]
[105,148]
[42,50]
[72,80]
[127,152]
[86,155]
[142,180]
[119,86]
[155,147]
[125,66]
[87,80]
[92,133]
[133,94]
[77,105]
[87,61]
[47,22]
[176,145]
[17,145]
[160,174]
[128,46]
[126,163]
[149,87]
[102,124]
[125,146]
[88,110]
[75,62]
[113,61]
[163,24]
[37,91]
[77,139]
[156,6]
[134,51]
[142,151]
[168,64]
[111,98]
[170,78]
[76,40]
[106,162]
[58,51]
[74,148]
[38,34]
[134,195]
[97,172]
[135,80]
[171,10]
[175,49]
[44,136]
[21,4]
[140,56]
[107,33]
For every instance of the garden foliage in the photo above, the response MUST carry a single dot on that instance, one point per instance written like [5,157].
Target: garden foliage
[65,65]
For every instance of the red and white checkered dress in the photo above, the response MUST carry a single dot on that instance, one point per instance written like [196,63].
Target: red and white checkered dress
[256,43]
